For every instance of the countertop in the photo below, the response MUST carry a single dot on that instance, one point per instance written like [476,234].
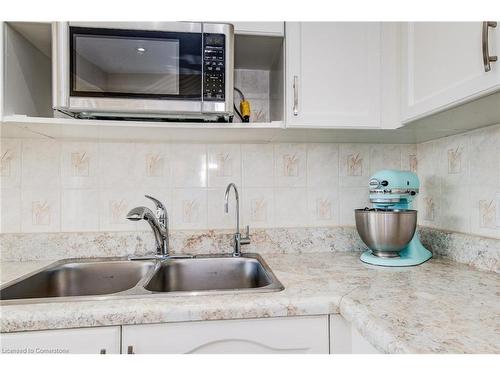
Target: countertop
[437,307]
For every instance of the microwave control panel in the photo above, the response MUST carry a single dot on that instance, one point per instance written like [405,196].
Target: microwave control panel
[214,67]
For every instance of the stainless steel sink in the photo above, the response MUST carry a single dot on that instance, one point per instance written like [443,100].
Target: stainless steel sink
[213,274]
[79,278]
[108,278]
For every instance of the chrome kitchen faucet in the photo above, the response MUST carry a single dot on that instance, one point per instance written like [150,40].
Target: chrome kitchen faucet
[158,222]
[238,240]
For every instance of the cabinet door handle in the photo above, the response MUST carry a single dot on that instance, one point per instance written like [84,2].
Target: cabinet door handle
[295,95]
[103,351]
[487,59]
[130,349]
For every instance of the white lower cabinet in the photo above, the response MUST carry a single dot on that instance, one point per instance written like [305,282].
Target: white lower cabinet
[101,340]
[320,334]
[345,339]
[308,334]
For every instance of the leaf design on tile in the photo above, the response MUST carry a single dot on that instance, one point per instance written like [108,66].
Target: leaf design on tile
[117,211]
[413,163]
[290,165]
[224,165]
[429,209]
[258,209]
[487,214]
[40,211]
[80,164]
[5,162]
[154,165]
[354,164]
[323,209]
[190,210]
[259,116]
[455,160]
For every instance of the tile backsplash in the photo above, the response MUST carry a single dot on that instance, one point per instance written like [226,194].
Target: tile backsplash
[66,186]
[460,178]
[62,186]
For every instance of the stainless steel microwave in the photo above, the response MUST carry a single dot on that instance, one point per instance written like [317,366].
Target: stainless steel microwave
[179,70]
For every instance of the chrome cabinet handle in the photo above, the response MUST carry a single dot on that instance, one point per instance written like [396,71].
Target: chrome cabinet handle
[487,59]
[130,349]
[295,95]
[103,351]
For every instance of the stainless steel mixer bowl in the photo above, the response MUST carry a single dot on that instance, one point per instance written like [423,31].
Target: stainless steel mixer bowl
[386,233]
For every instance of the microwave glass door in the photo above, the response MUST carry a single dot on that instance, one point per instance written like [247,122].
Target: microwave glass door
[136,64]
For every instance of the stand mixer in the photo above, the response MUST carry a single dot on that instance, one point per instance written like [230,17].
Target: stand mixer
[389,228]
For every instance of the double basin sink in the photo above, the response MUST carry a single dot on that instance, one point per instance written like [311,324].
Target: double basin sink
[106,278]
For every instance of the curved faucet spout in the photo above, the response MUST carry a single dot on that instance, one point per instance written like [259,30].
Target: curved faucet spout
[226,203]
[140,213]
[238,239]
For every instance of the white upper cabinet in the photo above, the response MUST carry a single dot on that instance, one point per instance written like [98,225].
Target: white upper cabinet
[442,65]
[333,74]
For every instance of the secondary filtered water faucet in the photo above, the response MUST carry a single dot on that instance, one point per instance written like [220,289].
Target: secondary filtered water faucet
[158,222]
[238,240]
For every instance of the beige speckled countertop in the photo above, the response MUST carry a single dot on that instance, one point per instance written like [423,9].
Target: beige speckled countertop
[438,307]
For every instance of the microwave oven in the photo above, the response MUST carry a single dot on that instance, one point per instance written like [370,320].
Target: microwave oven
[164,70]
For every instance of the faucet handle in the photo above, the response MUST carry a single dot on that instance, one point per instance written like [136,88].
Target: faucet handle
[161,211]
[245,240]
[156,202]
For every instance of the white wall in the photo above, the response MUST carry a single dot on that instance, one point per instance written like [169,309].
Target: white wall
[27,87]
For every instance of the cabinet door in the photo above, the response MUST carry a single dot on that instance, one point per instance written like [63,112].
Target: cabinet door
[268,335]
[345,339]
[442,66]
[333,74]
[104,340]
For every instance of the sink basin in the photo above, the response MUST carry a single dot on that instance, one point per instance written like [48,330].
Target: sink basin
[79,278]
[108,278]
[213,273]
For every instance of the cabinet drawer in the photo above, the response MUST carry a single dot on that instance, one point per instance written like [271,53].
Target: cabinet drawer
[269,335]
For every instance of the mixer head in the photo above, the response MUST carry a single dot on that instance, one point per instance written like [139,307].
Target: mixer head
[393,189]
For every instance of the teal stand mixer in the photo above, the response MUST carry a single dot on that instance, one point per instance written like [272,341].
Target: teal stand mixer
[389,228]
